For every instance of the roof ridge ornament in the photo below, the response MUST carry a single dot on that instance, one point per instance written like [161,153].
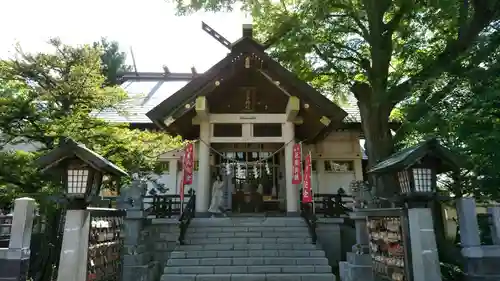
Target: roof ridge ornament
[217,36]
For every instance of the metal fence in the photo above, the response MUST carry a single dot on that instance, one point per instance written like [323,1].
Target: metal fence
[105,245]
[332,205]
[165,206]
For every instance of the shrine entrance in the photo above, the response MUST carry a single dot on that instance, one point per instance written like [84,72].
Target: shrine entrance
[253,179]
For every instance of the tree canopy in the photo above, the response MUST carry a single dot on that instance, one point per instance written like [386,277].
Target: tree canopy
[113,61]
[384,52]
[48,96]
[464,112]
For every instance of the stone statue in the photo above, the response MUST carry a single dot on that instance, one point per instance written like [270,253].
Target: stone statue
[361,193]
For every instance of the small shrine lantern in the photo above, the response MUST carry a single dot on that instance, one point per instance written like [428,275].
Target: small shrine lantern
[80,170]
[416,169]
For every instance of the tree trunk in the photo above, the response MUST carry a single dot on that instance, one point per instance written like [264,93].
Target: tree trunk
[379,141]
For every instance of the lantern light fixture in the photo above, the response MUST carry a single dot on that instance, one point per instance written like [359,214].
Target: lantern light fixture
[416,169]
[80,170]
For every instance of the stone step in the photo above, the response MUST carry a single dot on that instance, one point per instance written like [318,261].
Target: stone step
[250,277]
[245,253]
[249,261]
[249,240]
[249,234]
[284,246]
[234,269]
[248,222]
[273,228]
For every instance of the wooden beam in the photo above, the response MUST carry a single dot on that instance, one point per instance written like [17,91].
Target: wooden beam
[298,120]
[292,108]
[168,121]
[202,107]
[325,121]
[196,120]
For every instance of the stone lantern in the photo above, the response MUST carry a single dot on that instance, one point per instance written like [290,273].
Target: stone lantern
[416,169]
[80,170]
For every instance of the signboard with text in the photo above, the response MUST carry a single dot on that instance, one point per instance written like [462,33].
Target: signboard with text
[297,164]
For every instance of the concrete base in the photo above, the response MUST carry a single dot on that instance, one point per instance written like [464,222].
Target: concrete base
[293,214]
[14,269]
[357,267]
[202,214]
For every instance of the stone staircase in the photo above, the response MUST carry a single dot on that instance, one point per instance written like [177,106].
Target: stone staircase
[248,249]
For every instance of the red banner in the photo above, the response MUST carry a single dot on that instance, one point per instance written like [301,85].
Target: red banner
[188,164]
[297,164]
[306,187]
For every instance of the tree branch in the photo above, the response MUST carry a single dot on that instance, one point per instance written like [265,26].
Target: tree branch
[391,26]
[454,48]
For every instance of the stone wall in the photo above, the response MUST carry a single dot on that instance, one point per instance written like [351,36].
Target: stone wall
[163,235]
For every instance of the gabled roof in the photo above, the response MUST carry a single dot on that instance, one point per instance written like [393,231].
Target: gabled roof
[146,92]
[245,45]
[410,156]
[71,149]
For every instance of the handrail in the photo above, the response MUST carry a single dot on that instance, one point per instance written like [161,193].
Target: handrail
[332,205]
[165,206]
[186,217]
[308,214]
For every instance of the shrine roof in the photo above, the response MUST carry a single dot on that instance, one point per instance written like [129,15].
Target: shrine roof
[246,46]
[148,90]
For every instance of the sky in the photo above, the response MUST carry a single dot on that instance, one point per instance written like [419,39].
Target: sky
[150,27]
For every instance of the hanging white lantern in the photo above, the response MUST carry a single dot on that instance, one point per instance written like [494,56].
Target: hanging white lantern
[268,171]
[256,171]
[239,171]
[228,168]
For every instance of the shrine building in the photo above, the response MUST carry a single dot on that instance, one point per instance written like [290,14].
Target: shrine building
[244,115]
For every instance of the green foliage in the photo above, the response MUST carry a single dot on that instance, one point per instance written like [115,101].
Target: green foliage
[112,59]
[466,116]
[47,96]
[384,52]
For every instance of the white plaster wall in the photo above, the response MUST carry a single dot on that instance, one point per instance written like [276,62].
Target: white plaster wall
[340,146]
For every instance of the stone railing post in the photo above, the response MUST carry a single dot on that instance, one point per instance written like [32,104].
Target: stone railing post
[495,224]
[467,219]
[135,257]
[14,261]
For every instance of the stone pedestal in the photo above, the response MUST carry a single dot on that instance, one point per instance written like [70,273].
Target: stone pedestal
[482,263]
[330,238]
[14,261]
[424,253]
[358,264]
[138,263]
